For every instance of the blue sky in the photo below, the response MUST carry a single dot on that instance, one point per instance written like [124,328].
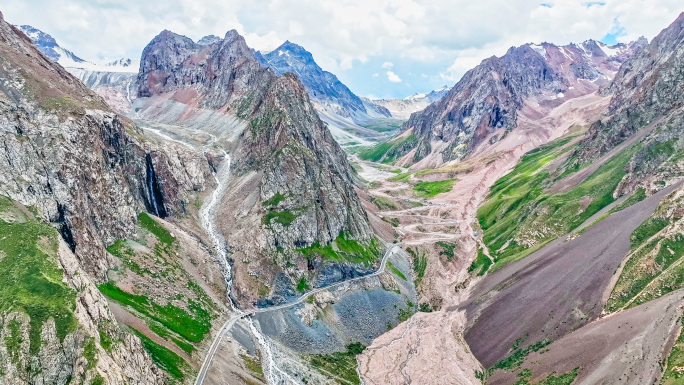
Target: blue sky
[379,48]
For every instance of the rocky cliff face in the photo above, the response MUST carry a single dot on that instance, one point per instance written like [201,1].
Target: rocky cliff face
[291,185]
[489,97]
[85,172]
[48,119]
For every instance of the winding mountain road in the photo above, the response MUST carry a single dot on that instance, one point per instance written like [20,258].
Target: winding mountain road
[241,314]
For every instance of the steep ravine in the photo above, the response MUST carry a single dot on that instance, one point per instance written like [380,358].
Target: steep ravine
[208,221]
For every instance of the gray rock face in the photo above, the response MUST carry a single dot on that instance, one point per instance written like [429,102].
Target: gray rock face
[79,164]
[489,96]
[222,72]
[301,161]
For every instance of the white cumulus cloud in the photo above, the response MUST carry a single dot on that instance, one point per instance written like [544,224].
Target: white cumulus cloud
[394,78]
[387,65]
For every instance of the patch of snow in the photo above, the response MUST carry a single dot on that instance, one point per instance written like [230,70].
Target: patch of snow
[560,95]
[415,96]
[562,50]
[611,51]
[66,60]
[539,48]
[32,35]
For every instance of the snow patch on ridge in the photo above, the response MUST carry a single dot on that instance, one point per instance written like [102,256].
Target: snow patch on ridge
[611,51]
[66,61]
[539,48]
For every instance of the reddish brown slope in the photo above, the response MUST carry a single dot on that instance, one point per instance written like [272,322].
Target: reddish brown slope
[554,291]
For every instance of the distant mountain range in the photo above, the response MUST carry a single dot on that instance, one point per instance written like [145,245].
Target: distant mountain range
[485,104]
[353,120]
[67,59]
[403,108]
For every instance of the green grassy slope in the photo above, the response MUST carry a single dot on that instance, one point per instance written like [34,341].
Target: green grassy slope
[182,314]
[389,151]
[520,213]
[345,249]
[655,266]
[30,279]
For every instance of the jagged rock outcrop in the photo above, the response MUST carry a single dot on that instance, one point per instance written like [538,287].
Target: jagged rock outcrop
[291,185]
[647,87]
[489,97]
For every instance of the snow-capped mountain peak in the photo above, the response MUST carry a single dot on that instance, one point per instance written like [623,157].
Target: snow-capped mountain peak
[67,59]
[415,96]
[121,62]
[48,45]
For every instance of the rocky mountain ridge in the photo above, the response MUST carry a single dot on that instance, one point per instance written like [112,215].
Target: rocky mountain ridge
[336,104]
[489,97]
[403,108]
[644,90]
[324,88]
[48,45]
[67,59]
